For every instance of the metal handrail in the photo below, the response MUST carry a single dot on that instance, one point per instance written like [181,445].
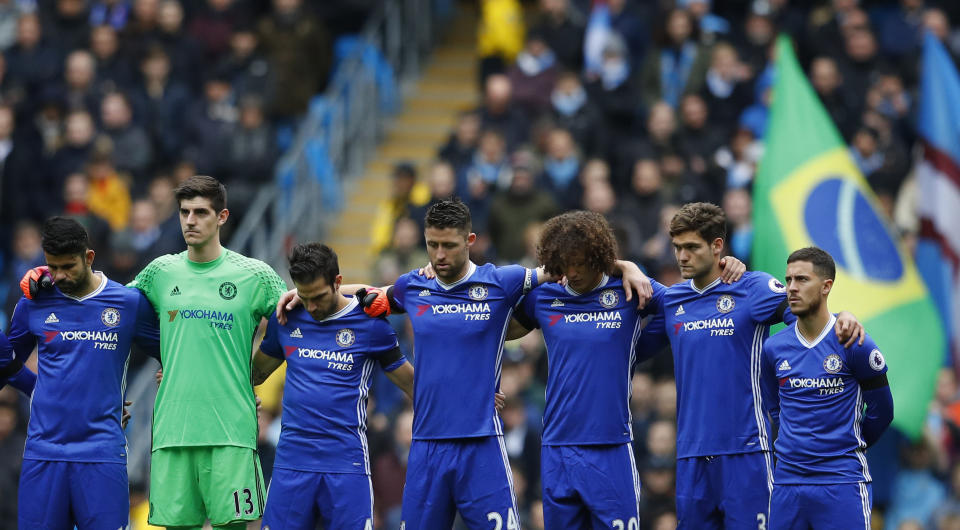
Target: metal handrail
[348,120]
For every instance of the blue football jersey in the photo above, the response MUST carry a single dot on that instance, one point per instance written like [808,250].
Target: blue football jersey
[821,405]
[330,365]
[590,340]
[716,334]
[458,334]
[83,345]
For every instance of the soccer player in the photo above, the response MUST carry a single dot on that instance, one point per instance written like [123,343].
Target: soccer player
[75,461]
[322,467]
[210,300]
[589,477]
[460,318]
[816,389]
[716,330]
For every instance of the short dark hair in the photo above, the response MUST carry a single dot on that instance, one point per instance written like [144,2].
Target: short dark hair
[203,186]
[823,264]
[565,236]
[310,261]
[449,213]
[62,236]
[706,219]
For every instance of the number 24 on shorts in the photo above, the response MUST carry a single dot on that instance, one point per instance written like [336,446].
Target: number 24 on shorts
[512,522]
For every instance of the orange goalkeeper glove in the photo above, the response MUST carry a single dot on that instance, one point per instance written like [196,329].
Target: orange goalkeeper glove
[374,301]
[34,280]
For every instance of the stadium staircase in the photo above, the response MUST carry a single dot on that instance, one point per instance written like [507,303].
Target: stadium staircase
[447,86]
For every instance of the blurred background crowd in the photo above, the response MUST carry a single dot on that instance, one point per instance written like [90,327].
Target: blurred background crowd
[628,108]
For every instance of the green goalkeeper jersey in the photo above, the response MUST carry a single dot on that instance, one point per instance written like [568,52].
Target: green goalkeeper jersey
[208,315]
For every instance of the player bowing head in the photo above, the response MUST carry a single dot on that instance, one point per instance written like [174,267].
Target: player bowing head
[449,238]
[66,248]
[579,245]
[316,276]
[698,231]
[203,210]
[810,275]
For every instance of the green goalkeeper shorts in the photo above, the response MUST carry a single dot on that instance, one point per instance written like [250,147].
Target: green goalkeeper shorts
[189,485]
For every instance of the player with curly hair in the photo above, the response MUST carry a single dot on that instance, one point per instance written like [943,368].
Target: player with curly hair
[588,473]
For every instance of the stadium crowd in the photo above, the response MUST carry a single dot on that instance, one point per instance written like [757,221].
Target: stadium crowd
[106,104]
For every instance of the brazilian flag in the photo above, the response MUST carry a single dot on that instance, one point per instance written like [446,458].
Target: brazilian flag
[808,191]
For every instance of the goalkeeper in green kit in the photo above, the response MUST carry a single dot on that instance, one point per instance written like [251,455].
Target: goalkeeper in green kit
[209,300]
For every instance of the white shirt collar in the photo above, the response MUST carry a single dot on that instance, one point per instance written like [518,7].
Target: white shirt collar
[709,286]
[471,268]
[603,281]
[95,292]
[823,333]
[346,309]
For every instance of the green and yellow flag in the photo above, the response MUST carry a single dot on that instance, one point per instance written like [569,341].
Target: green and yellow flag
[808,191]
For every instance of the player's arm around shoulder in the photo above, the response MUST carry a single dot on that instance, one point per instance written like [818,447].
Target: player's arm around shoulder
[269,355]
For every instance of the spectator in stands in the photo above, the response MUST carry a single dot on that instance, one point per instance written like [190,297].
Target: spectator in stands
[135,246]
[678,65]
[839,101]
[403,255]
[72,155]
[462,144]
[562,28]
[442,183]
[249,70]
[662,138]
[299,47]
[109,192]
[161,104]
[627,19]
[614,89]
[79,91]
[825,31]
[916,492]
[500,112]
[31,62]
[561,167]
[212,26]
[114,70]
[738,205]
[389,470]
[862,59]
[499,36]
[164,202]
[132,149]
[67,24]
[10,11]
[726,88]
[739,158]
[76,198]
[937,22]
[571,109]
[20,197]
[490,169]
[141,25]
[657,483]
[522,443]
[643,203]
[600,198]
[899,29]
[755,47]
[209,124]
[179,44]
[26,253]
[251,154]
[700,140]
[533,75]
[709,24]
[523,203]
[405,195]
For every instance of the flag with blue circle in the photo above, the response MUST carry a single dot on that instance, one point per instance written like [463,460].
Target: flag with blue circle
[808,191]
